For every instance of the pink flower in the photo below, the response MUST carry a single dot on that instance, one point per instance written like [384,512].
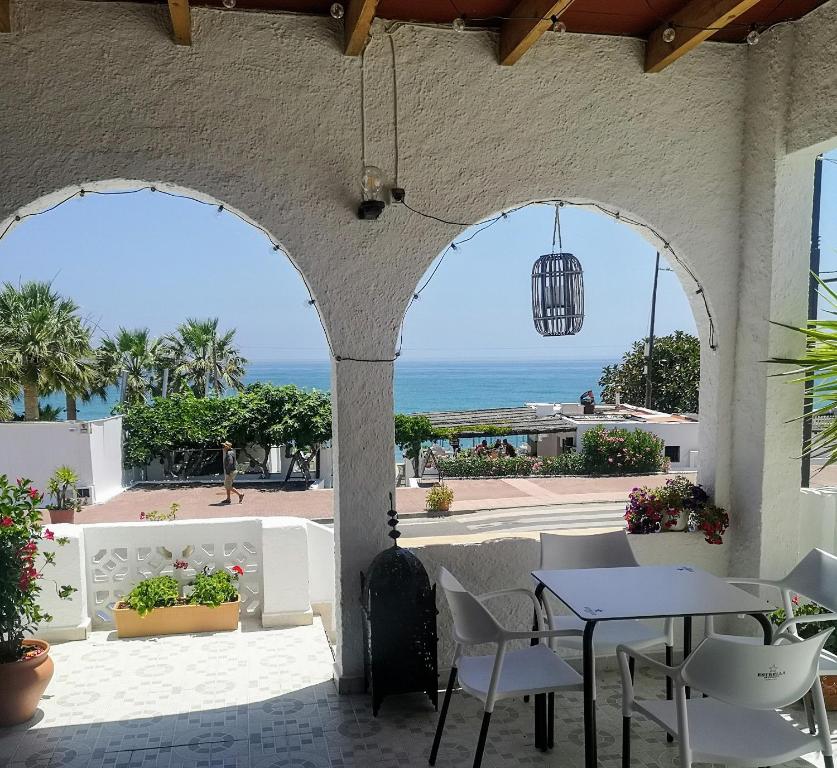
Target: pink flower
[49,535]
[33,493]
[237,570]
[181,565]
[6,522]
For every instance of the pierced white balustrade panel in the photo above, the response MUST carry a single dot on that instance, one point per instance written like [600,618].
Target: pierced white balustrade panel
[122,554]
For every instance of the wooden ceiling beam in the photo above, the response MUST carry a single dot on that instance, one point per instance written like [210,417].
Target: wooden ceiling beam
[697,21]
[181,21]
[359,16]
[5,16]
[530,19]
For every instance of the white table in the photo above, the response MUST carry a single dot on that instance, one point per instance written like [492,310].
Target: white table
[640,592]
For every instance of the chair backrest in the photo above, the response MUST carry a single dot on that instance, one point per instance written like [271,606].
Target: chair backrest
[754,676]
[815,577]
[598,550]
[472,622]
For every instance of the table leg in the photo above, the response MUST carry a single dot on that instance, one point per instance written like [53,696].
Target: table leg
[687,643]
[590,751]
[541,738]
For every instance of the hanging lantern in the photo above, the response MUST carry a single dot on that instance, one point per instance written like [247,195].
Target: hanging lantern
[557,290]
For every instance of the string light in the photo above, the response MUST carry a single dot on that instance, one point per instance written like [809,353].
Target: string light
[337,11]
[229,3]
[453,246]
[669,33]
[558,25]
[458,24]
[615,215]
[753,36]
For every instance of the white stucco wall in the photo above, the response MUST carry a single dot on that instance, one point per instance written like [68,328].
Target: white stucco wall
[91,448]
[262,112]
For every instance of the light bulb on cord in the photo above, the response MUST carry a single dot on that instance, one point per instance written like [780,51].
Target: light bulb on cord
[372,183]
[459,25]
[558,25]
[669,33]
[753,37]
[229,3]
[337,11]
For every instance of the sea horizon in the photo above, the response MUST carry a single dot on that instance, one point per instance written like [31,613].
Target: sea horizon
[427,385]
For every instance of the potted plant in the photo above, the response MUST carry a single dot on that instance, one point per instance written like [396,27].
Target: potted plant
[157,605]
[25,665]
[829,682]
[63,487]
[439,498]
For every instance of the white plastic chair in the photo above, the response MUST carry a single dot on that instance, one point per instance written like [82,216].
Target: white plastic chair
[505,674]
[736,722]
[599,550]
[814,577]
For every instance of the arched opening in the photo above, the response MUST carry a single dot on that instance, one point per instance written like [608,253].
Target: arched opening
[473,363]
[177,293]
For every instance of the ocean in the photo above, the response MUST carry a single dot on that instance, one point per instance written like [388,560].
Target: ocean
[431,386]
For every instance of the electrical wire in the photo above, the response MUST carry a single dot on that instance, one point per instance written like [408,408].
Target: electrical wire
[394,105]
[558,203]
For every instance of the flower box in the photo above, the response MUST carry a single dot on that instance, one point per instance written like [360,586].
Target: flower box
[177,620]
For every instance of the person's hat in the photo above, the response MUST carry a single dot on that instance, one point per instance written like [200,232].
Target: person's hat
[227,444]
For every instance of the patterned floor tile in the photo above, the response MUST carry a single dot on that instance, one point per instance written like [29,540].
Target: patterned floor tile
[264,699]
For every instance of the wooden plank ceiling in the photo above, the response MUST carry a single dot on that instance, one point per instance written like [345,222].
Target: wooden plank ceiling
[522,22]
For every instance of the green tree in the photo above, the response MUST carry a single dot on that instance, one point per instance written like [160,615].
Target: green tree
[268,415]
[180,421]
[410,432]
[45,340]
[139,356]
[203,360]
[675,374]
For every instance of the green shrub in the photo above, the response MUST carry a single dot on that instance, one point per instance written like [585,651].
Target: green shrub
[439,498]
[471,465]
[564,464]
[212,589]
[620,451]
[156,592]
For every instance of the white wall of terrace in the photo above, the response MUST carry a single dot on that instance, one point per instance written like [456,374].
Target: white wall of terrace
[262,112]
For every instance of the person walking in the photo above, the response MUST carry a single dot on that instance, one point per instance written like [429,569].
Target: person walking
[230,471]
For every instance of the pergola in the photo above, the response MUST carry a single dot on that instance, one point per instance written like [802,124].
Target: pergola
[523,22]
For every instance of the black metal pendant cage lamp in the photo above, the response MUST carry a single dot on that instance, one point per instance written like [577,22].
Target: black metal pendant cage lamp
[557,289]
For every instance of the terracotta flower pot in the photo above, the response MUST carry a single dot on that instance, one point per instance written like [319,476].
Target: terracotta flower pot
[22,683]
[57,516]
[829,691]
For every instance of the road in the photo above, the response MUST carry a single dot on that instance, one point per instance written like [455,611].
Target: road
[542,518]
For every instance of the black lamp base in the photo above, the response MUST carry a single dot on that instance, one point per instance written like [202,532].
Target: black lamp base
[370,209]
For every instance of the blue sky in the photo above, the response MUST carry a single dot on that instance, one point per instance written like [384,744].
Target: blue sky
[151,260]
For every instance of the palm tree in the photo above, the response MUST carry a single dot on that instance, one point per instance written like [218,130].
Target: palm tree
[45,340]
[203,361]
[136,354]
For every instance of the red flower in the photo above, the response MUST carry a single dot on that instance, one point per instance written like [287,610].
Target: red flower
[6,522]
[49,535]
[237,570]
[181,565]
[33,493]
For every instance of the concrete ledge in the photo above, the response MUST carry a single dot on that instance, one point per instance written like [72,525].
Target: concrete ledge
[288,619]
[64,634]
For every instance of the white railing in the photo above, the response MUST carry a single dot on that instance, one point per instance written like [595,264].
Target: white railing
[288,564]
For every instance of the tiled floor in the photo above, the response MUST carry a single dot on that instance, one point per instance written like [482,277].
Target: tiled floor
[265,699]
